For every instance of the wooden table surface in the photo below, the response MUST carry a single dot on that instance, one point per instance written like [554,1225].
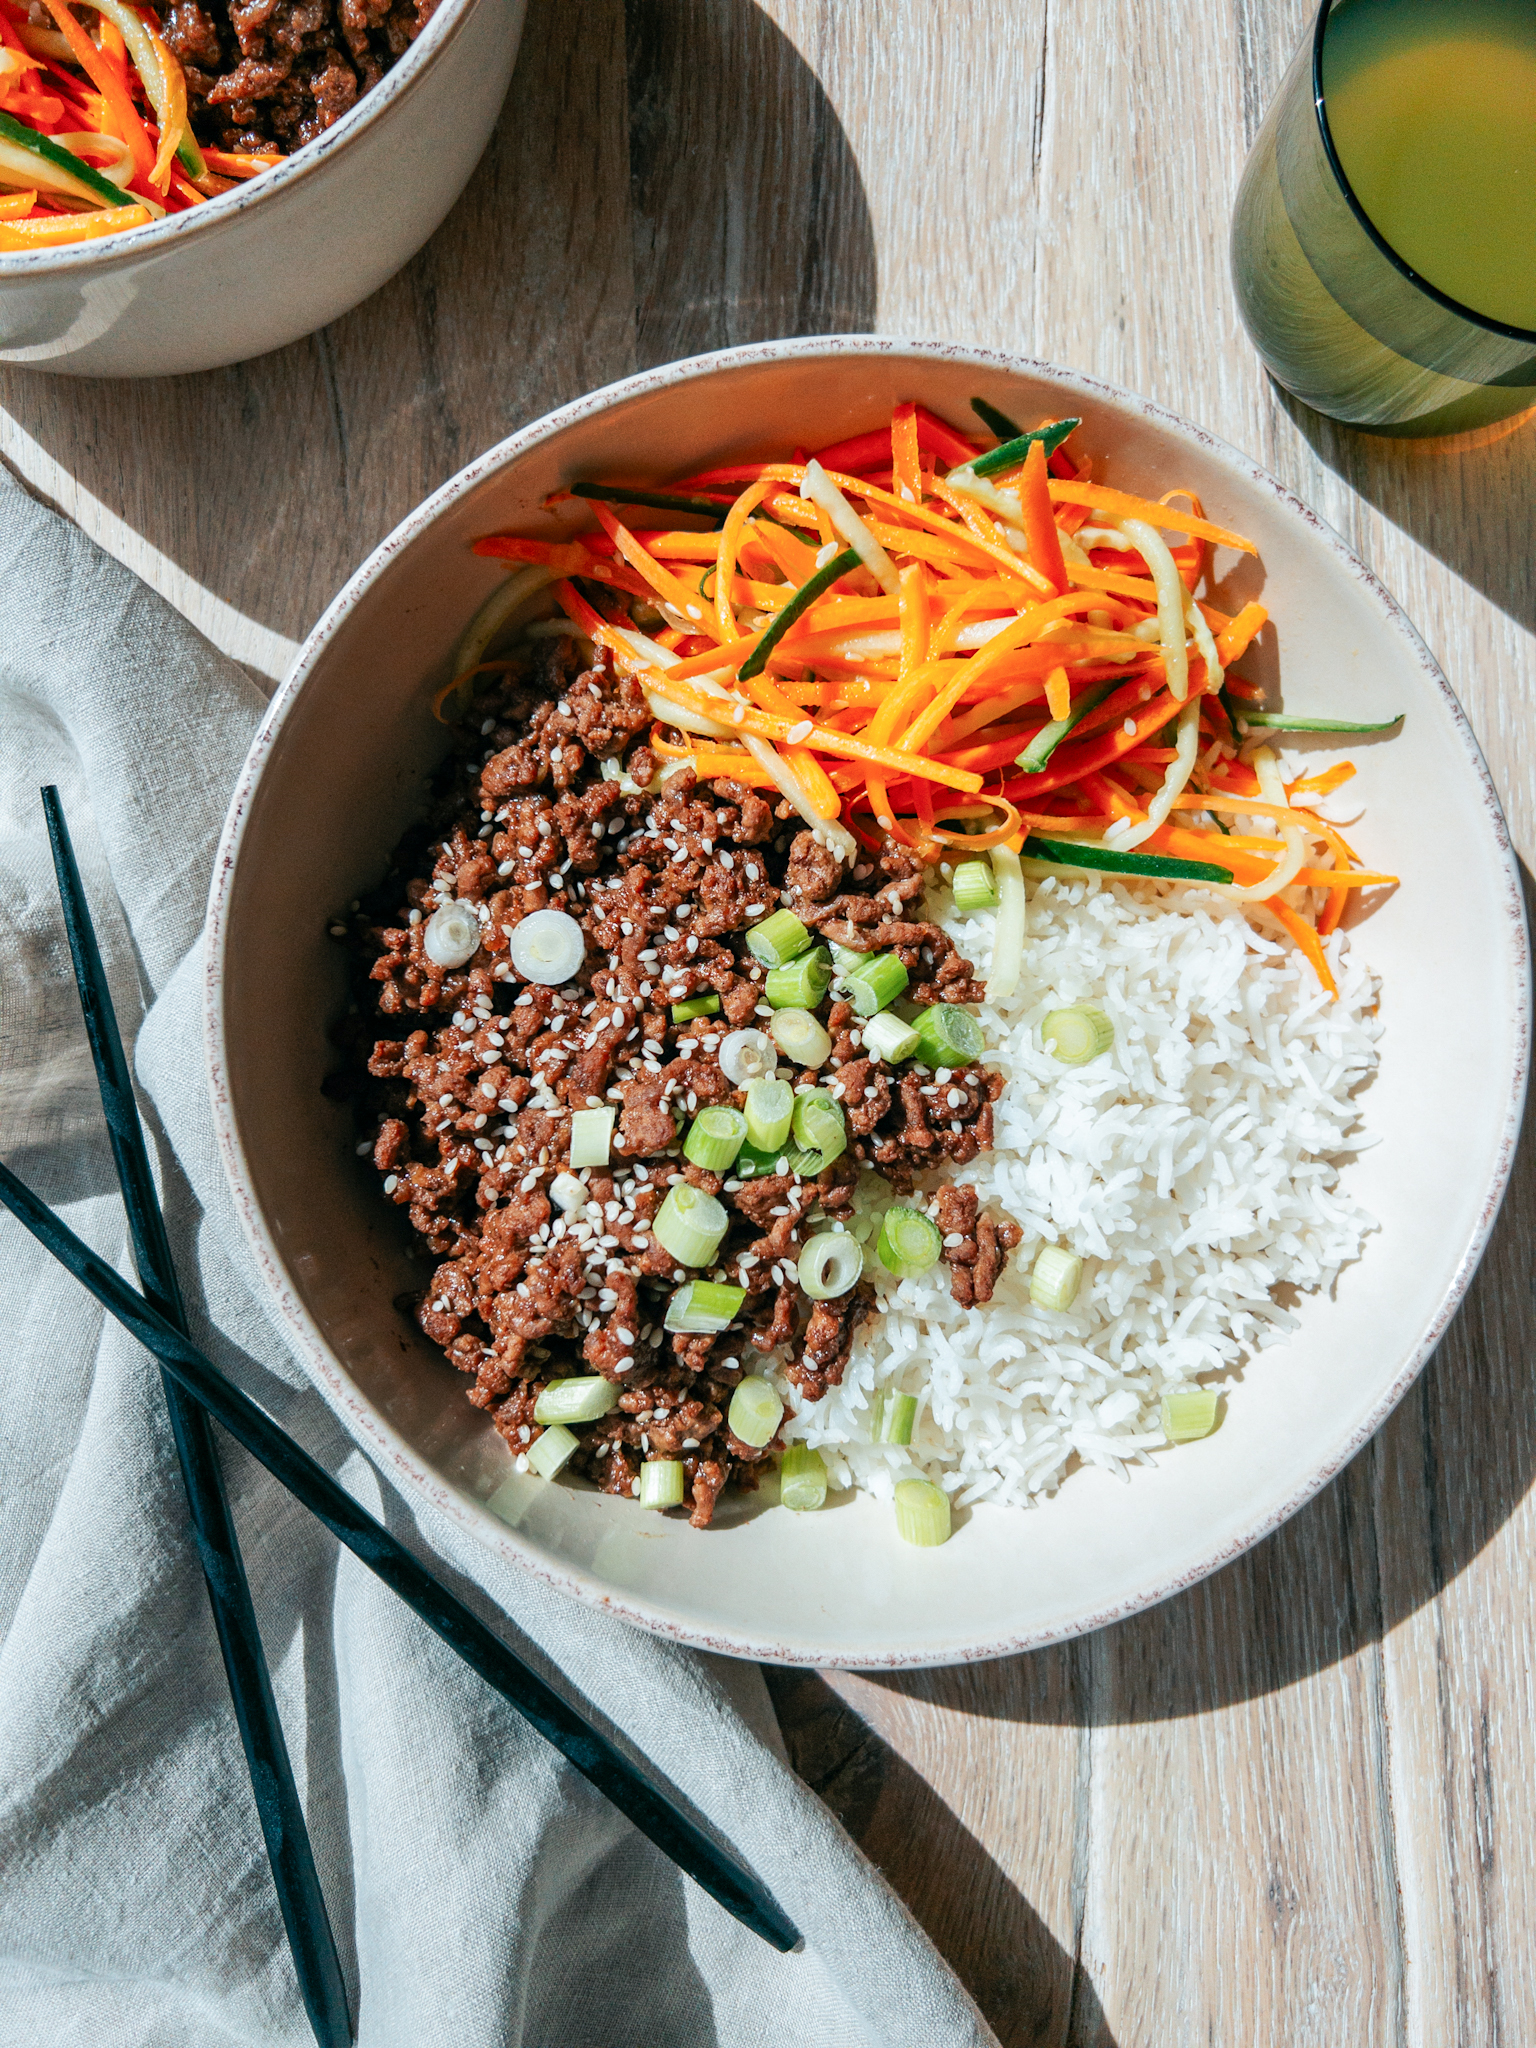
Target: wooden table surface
[1296,1805]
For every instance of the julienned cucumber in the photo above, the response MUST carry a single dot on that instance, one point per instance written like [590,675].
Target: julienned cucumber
[654,501]
[1078,853]
[1012,453]
[65,160]
[1285,721]
[1037,754]
[804,597]
[996,422]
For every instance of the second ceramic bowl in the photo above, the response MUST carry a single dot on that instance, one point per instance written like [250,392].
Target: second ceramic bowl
[295,248]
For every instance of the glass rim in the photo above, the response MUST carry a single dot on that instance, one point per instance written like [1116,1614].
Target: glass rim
[1399,263]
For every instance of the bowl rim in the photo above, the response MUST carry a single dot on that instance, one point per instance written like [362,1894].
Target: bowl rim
[371,1429]
[306,162]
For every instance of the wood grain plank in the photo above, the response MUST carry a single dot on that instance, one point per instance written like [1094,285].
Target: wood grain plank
[1292,1807]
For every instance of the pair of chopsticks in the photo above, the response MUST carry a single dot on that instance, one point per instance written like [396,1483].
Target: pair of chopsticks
[158,1320]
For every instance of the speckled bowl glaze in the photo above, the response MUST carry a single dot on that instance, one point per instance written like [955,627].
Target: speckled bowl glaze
[280,256]
[337,770]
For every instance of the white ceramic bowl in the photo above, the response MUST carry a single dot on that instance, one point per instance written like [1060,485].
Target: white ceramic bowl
[333,777]
[296,247]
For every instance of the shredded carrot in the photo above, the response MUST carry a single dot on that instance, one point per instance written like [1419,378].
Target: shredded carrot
[1234,639]
[58,230]
[1124,506]
[1058,690]
[1308,940]
[16,205]
[1039,521]
[906,468]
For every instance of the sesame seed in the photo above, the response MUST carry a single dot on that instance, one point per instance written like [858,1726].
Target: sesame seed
[391,1183]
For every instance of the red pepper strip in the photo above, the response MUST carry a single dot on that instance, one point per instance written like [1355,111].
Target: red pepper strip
[1070,764]
[941,439]
[872,451]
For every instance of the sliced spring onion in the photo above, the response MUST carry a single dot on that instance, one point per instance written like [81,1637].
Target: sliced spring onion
[582,1400]
[846,958]
[802,1479]
[819,489]
[451,936]
[1188,1416]
[799,1037]
[1284,721]
[746,1056]
[803,1164]
[770,1114]
[803,599]
[704,1306]
[778,939]
[695,1006]
[948,1037]
[654,501]
[888,1038]
[553,1451]
[591,1136]
[801,983]
[1054,1276]
[753,1162]
[661,1483]
[875,983]
[1082,853]
[894,1418]
[1012,453]
[1045,742]
[820,1126]
[974,886]
[1077,1034]
[755,1412]
[547,947]
[1008,927]
[714,1138]
[909,1242]
[567,1192]
[690,1224]
[830,1263]
[996,422]
[922,1513]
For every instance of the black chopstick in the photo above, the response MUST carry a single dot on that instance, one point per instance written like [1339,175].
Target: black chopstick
[278,1807]
[649,1805]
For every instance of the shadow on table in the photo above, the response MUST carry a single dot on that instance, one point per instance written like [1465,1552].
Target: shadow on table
[1403,1520]
[667,177]
[1470,499]
[1024,1981]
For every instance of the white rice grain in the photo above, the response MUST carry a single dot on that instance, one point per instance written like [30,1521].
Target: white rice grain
[1192,1166]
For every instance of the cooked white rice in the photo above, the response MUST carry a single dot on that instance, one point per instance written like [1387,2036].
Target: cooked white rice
[1193,1166]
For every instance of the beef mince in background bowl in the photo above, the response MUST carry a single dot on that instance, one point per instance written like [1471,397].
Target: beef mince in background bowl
[275,74]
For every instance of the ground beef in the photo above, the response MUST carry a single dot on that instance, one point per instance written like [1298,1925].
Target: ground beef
[271,75]
[465,1080]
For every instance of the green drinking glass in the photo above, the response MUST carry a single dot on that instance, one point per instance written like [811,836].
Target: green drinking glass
[1384,238]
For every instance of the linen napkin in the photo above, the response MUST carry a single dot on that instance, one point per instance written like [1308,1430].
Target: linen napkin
[481,1892]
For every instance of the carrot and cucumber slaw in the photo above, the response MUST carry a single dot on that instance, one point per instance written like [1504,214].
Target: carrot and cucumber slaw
[95,136]
[917,636]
